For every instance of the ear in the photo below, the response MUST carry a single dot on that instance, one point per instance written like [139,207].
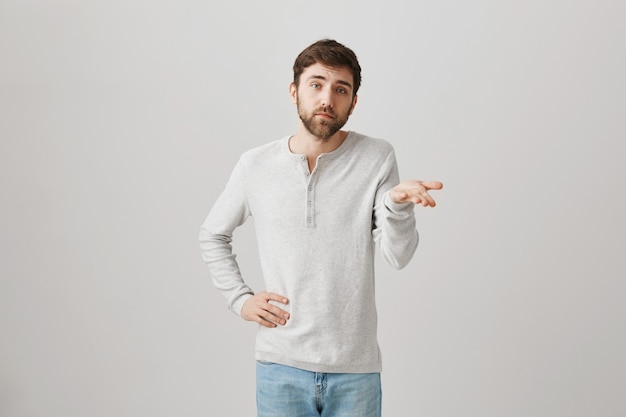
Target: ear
[293,92]
[353,104]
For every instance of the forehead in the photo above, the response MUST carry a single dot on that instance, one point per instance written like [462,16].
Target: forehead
[333,74]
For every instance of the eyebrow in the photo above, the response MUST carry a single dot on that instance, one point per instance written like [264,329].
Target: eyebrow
[321,77]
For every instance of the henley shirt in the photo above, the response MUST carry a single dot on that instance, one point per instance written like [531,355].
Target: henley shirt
[316,233]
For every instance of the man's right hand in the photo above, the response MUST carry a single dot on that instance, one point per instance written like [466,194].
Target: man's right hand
[257,308]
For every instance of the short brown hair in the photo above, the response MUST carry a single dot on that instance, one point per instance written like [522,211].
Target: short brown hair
[330,53]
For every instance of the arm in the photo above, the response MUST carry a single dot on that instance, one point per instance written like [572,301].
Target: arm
[394,223]
[229,212]
[394,218]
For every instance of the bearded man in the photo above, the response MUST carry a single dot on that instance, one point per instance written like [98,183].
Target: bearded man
[322,200]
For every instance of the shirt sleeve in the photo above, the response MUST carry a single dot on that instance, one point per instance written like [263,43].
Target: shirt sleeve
[229,212]
[394,224]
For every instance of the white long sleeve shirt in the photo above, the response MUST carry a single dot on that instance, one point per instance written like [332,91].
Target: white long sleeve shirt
[316,234]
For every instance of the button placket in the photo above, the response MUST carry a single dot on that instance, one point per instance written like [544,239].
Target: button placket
[309,218]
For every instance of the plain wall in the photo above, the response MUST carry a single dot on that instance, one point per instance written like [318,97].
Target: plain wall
[120,122]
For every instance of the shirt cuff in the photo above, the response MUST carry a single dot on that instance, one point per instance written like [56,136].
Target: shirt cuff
[238,304]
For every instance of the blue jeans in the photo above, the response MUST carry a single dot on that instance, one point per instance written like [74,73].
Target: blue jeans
[283,391]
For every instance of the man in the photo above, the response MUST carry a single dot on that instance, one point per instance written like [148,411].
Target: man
[321,199]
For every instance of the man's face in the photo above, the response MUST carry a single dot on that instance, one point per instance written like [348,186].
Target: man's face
[324,99]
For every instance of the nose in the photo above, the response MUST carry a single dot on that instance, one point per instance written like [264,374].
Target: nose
[327,98]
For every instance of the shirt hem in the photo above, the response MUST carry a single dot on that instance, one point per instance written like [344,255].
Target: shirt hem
[360,368]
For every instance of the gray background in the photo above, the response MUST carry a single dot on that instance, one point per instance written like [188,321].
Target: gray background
[121,120]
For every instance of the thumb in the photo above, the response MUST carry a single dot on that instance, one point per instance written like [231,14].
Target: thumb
[398,196]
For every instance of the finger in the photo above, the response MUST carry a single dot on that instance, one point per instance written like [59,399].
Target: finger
[269,316]
[263,317]
[432,185]
[430,201]
[265,323]
[261,308]
[423,199]
[275,297]
[278,312]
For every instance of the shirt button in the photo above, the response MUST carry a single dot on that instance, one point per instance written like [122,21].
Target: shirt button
[306,174]
[310,204]
[310,187]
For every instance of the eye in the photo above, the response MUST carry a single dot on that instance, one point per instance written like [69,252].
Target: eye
[315,85]
[341,90]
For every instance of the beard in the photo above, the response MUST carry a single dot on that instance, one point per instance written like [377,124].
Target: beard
[319,127]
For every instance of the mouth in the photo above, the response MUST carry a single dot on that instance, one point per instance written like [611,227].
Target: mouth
[325,115]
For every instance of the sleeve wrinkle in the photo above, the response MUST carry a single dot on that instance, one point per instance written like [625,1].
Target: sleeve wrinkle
[394,231]
[229,212]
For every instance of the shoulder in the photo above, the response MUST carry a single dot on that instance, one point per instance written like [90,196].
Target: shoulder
[371,144]
[265,153]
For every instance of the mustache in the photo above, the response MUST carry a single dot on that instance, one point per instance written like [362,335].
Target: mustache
[326,109]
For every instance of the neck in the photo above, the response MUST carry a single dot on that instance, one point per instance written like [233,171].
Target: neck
[305,143]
